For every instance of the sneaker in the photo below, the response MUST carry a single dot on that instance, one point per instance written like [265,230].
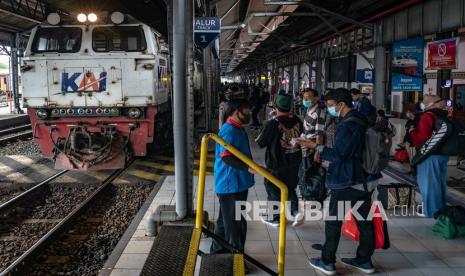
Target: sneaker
[367,267]
[328,269]
[271,222]
[298,220]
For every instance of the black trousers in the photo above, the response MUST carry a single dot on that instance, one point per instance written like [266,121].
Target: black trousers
[290,177]
[255,120]
[333,227]
[227,227]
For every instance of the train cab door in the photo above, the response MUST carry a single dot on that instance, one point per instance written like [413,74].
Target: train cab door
[459,101]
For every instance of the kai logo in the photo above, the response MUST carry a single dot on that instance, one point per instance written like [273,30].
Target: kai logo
[77,82]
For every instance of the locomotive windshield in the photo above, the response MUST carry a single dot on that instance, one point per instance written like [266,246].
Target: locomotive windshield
[61,40]
[119,38]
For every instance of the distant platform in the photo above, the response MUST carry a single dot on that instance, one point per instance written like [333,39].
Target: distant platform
[8,120]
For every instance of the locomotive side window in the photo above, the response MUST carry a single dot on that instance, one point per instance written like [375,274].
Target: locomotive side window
[120,38]
[61,40]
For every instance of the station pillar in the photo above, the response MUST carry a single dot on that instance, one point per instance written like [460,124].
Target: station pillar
[380,77]
[319,75]
[15,73]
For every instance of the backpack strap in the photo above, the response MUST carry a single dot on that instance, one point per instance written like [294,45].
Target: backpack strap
[365,125]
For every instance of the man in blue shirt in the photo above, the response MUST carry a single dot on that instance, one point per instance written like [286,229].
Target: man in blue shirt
[232,177]
[348,183]
[363,105]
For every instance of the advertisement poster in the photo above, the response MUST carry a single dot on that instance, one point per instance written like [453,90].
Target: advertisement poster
[442,54]
[407,65]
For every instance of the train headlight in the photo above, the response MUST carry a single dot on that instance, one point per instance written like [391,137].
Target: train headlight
[41,114]
[134,112]
[53,18]
[92,17]
[82,17]
[117,17]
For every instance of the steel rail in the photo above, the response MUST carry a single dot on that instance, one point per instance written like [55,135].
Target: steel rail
[19,136]
[15,199]
[21,264]
[15,129]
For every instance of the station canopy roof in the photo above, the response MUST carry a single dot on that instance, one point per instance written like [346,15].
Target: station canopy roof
[19,16]
[255,31]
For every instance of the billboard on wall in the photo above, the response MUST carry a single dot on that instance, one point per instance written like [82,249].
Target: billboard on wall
[407,65]
[442,54]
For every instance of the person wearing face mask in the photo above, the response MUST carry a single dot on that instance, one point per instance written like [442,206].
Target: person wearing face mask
[232,177]
[347,182]
[314,128]
[363,105]
[432,172]
[315,117]
[282,156]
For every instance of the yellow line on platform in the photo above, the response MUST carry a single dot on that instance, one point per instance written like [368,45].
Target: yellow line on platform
[164,158]
[196,173]
[209,163]
[165,167]
[144,175]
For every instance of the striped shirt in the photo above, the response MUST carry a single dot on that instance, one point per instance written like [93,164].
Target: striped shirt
[314,120]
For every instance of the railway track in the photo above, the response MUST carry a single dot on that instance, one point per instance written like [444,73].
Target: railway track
[15,133]
[11,202]
[24,261]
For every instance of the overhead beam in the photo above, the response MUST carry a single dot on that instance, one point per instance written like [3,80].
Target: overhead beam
[20,16]
[230,9]
[319,10]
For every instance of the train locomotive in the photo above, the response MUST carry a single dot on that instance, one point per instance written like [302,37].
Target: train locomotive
[97,89]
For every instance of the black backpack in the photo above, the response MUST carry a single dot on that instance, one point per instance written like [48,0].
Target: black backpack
[448,138]
[312,180]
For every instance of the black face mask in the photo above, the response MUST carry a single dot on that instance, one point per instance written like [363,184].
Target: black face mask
[245,118]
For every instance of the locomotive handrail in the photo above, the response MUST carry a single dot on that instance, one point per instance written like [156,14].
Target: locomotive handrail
[260,170]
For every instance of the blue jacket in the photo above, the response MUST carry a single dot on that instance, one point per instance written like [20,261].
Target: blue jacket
[228,179]
[346,168]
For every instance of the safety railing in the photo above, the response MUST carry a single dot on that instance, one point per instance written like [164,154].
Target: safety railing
[263,172]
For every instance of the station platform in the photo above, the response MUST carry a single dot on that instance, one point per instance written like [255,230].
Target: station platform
[414,250]
[8,120]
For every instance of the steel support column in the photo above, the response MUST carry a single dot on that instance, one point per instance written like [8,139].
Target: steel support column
[180,107]
[380,70]
[14,71]
[319,75]
[189,38]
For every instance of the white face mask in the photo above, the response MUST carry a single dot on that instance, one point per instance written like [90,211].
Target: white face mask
[424,107]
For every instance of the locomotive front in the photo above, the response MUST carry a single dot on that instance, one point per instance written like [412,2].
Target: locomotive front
[95,88]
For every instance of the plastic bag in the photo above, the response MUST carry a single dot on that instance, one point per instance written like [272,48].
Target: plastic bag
[350,229]
[401,156]
[445,228]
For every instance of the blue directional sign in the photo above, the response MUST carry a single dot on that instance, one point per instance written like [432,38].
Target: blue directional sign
[206,29]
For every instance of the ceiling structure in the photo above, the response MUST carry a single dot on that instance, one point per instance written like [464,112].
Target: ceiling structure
[20,16]
[17,16]
[255,31]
